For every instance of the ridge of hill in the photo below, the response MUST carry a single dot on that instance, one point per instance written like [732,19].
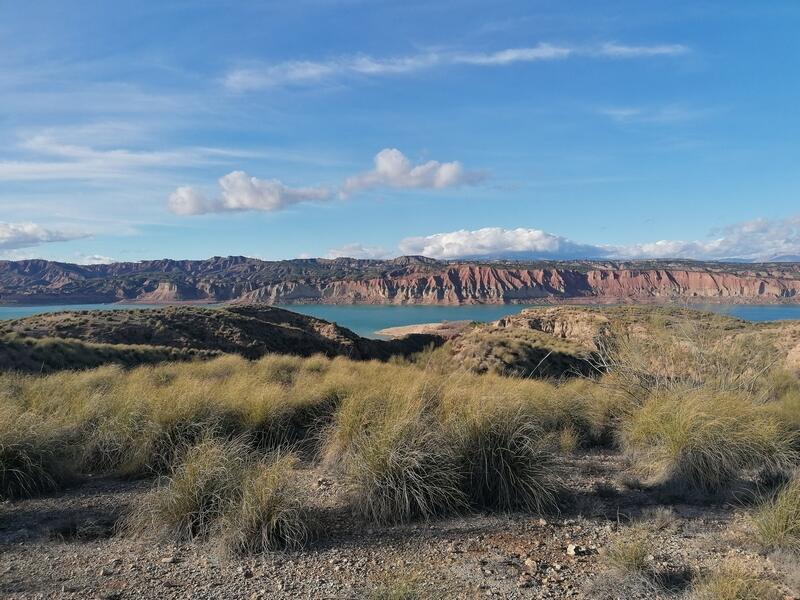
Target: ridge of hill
[403,280]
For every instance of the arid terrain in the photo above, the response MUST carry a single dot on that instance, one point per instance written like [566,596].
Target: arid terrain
[564,452]
[403,280]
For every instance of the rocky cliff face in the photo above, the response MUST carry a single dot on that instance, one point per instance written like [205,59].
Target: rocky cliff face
[405,280]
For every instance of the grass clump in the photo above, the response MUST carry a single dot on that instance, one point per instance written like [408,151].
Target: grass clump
[222,489]
[629,553]
[777,521]
[507,460]
[701,440]
[403,472]
[196,494]
[734,581]
[269,514]
[34,455]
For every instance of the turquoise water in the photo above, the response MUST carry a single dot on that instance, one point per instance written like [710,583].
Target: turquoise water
[17,312]
[367,319]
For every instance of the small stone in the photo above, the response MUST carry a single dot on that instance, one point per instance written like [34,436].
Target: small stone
[105,572]
[169,560]
[572,550]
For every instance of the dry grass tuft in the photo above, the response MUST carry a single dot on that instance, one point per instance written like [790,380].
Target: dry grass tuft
[702,440]
[508,461]
[777,520]
[189,503]
[630,551]
[734,581]
[34,455]
[270,513]
[403,472]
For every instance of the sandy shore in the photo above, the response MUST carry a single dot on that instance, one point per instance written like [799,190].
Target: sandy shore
[444,329]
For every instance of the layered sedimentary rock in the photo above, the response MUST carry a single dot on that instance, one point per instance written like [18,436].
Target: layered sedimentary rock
[405,280]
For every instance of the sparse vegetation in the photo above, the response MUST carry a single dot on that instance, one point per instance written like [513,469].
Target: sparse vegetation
[233,445]
[777,520]
[34,455]
[269,513]
[734,581]
[701,440]
[223,489]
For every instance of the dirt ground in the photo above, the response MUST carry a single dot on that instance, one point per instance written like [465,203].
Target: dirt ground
[65,546]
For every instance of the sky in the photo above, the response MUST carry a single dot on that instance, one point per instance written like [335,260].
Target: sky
[452,128]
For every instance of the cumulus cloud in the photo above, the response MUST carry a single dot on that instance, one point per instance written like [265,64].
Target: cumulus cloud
[24,235]
[308,72]
[756,240]
[357,251]
[240,192]
[497,242]
[394,169]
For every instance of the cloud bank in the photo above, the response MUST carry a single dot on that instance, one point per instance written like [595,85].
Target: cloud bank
[496,242]
[760,239]
[307,72]
[241,192]
[24,235]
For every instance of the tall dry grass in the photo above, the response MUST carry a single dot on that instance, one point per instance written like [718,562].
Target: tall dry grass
[703,439]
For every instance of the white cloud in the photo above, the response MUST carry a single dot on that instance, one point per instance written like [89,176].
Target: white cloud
[94,259]
[757,240]
[622,51]
[52,155]
[187,200]
[240,192]
[497,242]
[357,251]
[663,114]
[23,235]
[393,169]
[307,72]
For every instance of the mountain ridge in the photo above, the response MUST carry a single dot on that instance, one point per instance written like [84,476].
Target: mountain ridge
[402,280]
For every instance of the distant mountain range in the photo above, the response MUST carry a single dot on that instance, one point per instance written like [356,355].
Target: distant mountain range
[403,280]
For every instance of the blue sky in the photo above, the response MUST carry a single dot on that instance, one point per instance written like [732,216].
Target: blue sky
[194,128]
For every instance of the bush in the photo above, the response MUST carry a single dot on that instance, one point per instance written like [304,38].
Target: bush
[34,455]
[702,440]
[402,472]
[198,492]
[777,520]
[270,514]
[507,461]
[734,582]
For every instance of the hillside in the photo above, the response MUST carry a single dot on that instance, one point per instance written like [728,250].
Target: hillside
[173,333]
[404,280]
